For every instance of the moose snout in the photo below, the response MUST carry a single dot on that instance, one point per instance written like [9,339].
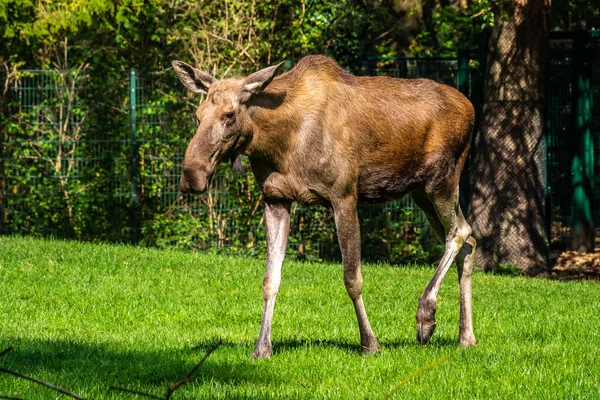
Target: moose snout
[193,181]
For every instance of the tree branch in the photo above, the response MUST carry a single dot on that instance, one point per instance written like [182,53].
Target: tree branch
[485,10]
[177,385]
[42,383]
[6,351]
[171,389]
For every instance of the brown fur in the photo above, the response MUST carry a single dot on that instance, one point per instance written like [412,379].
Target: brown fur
[335,134]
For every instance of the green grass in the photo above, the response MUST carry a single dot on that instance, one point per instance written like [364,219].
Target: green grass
[89,316]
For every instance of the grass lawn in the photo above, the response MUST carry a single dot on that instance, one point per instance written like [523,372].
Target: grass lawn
[89,316]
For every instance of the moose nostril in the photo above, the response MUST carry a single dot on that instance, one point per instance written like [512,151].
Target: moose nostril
[184,186]
[194,180]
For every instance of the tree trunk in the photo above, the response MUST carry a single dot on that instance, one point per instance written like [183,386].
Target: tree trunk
[508,171]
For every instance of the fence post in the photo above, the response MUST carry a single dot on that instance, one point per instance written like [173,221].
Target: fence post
[549,166]
[582,168]
[134,150]
[462,84]
[462,72]
[371,62]
[477,88]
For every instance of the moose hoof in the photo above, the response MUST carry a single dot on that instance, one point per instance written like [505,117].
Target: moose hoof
[425,320]
[424,333]
[262,351]
[467,341]
[370,346]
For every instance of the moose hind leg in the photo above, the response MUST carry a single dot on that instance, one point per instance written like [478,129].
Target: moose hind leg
[456,232]
[464,264]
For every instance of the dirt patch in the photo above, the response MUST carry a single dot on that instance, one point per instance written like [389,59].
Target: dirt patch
[575,265]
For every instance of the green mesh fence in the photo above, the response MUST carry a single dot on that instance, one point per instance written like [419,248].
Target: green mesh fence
[57,178]
[80,163]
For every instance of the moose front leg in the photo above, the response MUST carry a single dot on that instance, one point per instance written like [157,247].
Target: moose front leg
[348,231]
[277,226]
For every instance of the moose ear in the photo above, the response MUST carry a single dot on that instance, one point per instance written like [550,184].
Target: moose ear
[192,78]
[258,81]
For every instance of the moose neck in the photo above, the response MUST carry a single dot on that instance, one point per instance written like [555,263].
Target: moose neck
[274,123]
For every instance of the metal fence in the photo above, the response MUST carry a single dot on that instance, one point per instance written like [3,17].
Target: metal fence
[572,133]
[81,163]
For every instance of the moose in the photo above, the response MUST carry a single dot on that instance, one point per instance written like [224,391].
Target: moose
[318,134]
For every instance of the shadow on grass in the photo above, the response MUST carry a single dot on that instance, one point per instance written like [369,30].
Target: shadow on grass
[288,345]
[90,365]
[105,365]
[436,341]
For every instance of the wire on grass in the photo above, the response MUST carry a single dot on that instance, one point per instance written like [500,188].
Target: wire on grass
[420,371]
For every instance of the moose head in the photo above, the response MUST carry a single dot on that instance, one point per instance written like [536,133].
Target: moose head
[225,128]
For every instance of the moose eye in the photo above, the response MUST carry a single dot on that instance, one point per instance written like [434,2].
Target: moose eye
[229,118]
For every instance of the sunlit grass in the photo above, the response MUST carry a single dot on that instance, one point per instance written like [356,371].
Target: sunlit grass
[90,316]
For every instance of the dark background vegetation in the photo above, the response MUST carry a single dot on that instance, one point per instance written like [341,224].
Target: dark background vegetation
[74,172]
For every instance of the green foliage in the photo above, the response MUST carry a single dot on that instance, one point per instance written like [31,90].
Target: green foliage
[575,14]
[349,30]
[447,24]
[483,10]
[52,184]
[70,175]
[239,35]
[89,316]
